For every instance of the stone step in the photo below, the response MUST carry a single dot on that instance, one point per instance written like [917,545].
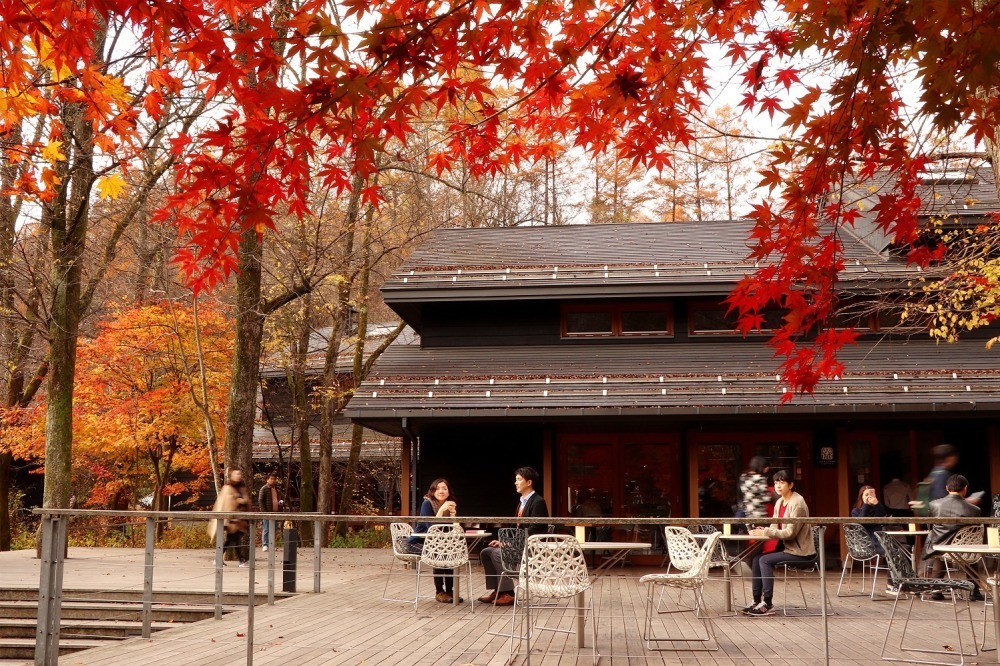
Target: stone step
[81,629]
[112,610]
[24,648]
[176,597]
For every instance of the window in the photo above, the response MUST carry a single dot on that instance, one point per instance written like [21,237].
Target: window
[715,319]
[617,319]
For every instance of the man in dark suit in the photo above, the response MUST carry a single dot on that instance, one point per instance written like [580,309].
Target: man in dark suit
[952,505]
[500,588]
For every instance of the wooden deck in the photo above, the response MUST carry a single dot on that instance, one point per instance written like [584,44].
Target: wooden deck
[349,623]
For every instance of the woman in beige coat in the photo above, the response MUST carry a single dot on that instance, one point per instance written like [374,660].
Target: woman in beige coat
[786,543]
[233,497]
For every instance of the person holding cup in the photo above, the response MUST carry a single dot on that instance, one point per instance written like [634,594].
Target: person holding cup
[439,501]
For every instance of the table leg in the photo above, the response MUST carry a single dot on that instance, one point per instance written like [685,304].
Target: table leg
[727,575]
[457,585]
[581,618]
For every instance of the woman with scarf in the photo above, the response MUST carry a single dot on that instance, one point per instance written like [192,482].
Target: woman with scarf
[440,502]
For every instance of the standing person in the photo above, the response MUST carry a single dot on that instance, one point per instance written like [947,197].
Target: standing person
[235,497]
[500,589]
[754,492]
[897,496]
[787,543]
[268,502]
[952,505]
[439,501]
[945,461]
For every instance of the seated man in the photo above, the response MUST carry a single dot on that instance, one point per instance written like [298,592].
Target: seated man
[952,505]
[500,589]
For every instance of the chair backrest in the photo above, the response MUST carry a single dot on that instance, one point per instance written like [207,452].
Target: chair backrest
[859,542]
[553,566]
[896,556]
[511,548]
[967,535]
[445,547]
[400,533]
[703,560]
[996,505]
[681,546]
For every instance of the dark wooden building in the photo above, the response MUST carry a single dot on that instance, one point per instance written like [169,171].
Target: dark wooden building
[604,356]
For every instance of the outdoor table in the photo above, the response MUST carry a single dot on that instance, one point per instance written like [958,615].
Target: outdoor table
[990,581]
[476,536]
[917,544]
[619,550]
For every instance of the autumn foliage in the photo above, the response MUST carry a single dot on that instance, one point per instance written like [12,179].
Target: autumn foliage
[636,73]
[138,429]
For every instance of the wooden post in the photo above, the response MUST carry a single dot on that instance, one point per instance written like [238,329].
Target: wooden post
[147,580]
[251,601]
[220,537]
[50,591]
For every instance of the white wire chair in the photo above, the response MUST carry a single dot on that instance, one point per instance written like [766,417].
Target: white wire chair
[692,578]
[861,549]
[683,549]
[552,568]
[400,534]
[445,547]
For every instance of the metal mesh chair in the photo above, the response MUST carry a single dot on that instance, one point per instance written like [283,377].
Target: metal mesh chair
[553,568]
[901,569]
[693,578]
[802,567]
[967,535]
[400,533]
[445,547]
[511,549]
[860,548]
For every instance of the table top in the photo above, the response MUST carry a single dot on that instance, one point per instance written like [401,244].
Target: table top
[615,545]
[978,548]
[907,532]
[741,537]
[468,533]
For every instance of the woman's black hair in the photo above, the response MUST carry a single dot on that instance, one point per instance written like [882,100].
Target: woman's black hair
[783,475]
[434,484]
[758,464]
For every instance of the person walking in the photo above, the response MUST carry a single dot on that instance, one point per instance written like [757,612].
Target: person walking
[268,502]
[755,495]
[234,497]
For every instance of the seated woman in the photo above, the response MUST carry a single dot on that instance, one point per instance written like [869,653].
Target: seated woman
[868,506]
[787,543]
[439,502]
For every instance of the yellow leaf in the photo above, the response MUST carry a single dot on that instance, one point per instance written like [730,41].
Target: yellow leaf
[52,152]
[111,187]
[47,57]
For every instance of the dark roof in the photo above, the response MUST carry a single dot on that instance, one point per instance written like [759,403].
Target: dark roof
[375,446]
[275,365]
[669,378]
[597,260]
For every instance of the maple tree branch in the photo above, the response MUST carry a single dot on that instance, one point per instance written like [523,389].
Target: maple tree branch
[275,303]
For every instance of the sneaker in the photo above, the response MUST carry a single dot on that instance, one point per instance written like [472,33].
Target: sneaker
[892,590]
[265,549]
[935,596]
[244,565]
[763,608]
[746,610]
[976,595]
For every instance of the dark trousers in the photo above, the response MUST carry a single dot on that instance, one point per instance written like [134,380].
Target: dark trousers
[763,571]
[444,579]
[490,557]
[234,541]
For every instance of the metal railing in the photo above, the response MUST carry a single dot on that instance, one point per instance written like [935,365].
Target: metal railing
[54,523]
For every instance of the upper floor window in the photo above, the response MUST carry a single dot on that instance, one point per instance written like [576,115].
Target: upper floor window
[716,319]
[617,319]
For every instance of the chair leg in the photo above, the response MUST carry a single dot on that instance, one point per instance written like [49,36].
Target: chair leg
[958,630]
[848,565]
[649,639]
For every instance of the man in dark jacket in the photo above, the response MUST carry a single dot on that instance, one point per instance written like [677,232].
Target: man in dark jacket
[500,588]
[268,502]
[952,505]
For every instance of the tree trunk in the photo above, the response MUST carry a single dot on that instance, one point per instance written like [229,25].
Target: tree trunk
[300,417]
[246,356]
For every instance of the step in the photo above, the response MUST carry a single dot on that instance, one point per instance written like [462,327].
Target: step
[92,629]
[100,610]
[24,648]
[177,597]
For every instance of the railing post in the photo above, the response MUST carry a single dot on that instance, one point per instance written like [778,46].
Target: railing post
[251,601]
[273,524]
[147,580]
[50,590]
[822,594]
[220,536]
[317,553]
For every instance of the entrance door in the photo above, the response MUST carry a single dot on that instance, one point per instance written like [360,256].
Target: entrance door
[720,457]
[619,475]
